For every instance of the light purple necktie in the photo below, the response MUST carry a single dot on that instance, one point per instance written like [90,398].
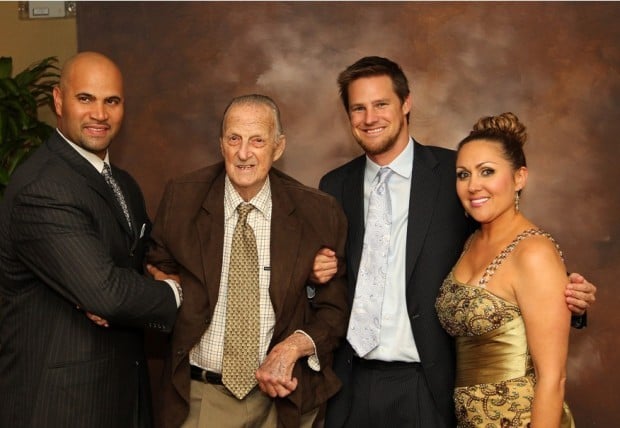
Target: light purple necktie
[365,322]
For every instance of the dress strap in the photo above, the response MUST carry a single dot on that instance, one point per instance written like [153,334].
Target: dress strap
[468,243]
[465,248]
[497,261]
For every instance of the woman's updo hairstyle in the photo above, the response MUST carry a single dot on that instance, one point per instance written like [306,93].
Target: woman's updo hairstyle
[504,129]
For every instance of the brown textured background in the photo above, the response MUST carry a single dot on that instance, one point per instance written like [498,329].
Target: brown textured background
[556,65]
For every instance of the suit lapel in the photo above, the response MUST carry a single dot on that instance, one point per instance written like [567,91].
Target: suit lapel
[209,228]
[424,189]
[353,204]
[92,177]
[286,233]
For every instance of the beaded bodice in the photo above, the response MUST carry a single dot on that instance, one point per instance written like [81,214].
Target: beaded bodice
[470,310]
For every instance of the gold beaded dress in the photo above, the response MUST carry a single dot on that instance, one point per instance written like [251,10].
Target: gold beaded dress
[495,375]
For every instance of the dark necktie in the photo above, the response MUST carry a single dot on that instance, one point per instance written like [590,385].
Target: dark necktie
[116,189]
[241,339]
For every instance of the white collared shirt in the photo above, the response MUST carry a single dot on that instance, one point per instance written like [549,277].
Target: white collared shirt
[92,158]
[396,342]
[209,351]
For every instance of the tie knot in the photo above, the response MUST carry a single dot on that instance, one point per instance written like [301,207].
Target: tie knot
[106,170]
[384,174]
[244,210]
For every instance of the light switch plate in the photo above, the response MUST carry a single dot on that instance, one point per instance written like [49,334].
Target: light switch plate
[46,9]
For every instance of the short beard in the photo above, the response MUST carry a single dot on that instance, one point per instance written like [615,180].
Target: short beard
[389,144]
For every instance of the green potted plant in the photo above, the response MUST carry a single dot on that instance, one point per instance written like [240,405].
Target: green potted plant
[21,131]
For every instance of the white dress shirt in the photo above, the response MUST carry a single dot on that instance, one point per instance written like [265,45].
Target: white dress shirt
[209,351]
[396,341]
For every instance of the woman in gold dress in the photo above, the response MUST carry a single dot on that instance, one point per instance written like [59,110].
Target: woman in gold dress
[504,299]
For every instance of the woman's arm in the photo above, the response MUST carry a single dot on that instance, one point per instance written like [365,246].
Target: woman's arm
[539,289]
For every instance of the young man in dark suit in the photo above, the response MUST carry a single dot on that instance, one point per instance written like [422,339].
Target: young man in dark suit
[72,243]
[407,376]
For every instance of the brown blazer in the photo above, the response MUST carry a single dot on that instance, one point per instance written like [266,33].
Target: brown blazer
[189,233]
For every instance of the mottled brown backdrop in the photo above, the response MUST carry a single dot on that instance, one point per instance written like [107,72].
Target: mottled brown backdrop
[556,65]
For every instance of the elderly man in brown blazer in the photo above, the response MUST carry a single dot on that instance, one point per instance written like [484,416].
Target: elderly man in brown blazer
[242,236]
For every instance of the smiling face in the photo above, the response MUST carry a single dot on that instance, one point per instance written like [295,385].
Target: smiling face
[486,181]
[250,145]
[378,118]
[89,102]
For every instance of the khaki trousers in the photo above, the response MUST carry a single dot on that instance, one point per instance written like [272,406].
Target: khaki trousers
[213,406]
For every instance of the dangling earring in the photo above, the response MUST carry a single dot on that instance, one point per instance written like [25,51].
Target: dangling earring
[466,214]
[517,201]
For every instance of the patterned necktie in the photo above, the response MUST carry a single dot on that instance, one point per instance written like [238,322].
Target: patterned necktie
[365,322]
[116,189]
[242,310]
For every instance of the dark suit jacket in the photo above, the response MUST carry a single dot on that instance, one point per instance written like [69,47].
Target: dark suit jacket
[64,243]
[189,234]
[436,231]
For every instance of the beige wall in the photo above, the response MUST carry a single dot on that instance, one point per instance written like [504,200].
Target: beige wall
[30,40]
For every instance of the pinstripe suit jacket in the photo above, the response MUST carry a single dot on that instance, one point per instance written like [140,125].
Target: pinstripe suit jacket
[189,236]
[64,243]
[436,232]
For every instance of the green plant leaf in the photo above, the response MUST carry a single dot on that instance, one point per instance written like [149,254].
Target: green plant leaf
[37,71]
[6,66]
[20,129]
[4,178]
[9,86]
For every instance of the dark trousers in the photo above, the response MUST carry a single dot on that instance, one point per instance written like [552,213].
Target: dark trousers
[391,395]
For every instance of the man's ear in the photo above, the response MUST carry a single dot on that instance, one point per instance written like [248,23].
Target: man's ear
[222,146]
[407,105]
[57,94]
[280,146]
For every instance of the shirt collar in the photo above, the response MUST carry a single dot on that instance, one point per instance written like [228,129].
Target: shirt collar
[401,165]
[261,201]
[92,158]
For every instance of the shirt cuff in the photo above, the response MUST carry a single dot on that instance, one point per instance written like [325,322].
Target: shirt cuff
[313,360]
[579,321]
[177,290]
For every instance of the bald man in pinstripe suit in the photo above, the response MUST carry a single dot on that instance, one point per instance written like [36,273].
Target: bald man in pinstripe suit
[69,246]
